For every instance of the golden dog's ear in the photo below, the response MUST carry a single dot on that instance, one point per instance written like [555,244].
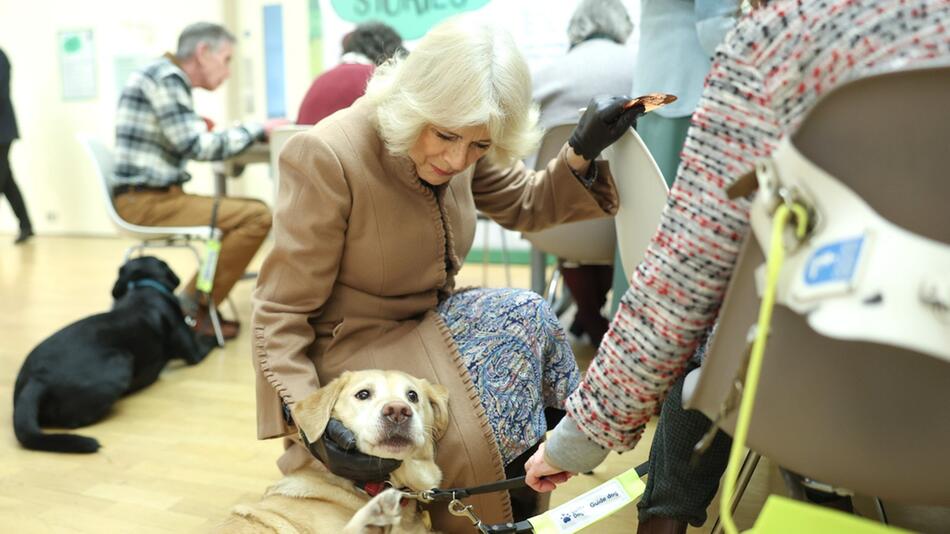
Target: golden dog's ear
[313,413]
[439,401]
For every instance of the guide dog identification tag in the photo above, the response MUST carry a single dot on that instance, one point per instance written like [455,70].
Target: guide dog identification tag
[587,509]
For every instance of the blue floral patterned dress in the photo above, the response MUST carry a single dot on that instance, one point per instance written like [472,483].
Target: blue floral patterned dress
[518,357]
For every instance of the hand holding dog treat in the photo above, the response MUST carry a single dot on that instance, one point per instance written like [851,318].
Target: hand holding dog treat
[604,120]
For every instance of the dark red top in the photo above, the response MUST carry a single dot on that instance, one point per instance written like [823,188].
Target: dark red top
[334,90]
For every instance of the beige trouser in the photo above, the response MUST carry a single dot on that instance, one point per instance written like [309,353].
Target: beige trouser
[244,223]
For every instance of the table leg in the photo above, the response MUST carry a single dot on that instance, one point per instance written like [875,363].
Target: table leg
[538,268]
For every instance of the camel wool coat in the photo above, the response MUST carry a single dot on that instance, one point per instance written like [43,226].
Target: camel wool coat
[363,252]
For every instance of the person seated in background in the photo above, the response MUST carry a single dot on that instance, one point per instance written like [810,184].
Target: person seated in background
[771,70]
[366,47]
[596,63]
[157,132]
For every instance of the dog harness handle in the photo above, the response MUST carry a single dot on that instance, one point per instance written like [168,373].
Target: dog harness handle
[451,494]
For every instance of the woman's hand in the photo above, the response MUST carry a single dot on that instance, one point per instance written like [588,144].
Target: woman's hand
[604,121]
[541,476]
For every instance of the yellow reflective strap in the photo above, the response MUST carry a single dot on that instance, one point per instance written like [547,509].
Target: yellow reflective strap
[205,280]
[589,508]
[782,515]
[776,256]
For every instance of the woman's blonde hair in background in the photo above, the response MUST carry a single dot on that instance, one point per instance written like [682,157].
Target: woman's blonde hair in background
[462,73]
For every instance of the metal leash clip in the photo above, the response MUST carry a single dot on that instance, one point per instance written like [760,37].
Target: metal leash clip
[458,508]
[424,496]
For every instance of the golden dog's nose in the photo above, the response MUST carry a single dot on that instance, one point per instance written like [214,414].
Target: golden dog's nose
[397,412]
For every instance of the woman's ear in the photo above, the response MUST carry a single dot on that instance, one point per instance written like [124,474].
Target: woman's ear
[122,284]
[312,413]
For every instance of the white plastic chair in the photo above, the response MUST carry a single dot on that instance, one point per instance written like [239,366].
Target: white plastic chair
[860,415]
[148,236]
[584,242]
[278,138]
[642,192]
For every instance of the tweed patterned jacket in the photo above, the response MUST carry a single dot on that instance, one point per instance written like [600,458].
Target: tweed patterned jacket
[770,71]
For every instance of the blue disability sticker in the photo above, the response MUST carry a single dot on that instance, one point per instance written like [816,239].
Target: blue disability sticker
[834,263]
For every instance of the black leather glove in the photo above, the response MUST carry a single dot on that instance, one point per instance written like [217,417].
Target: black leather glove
[337,450]
[602,123]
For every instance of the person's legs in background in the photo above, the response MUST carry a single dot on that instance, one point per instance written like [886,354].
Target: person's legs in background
[244,223]
[9,189]
[664,137]
[589,285]
[679,487]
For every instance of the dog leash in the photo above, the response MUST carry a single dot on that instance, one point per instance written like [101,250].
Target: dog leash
[453,494]
[458,508]
[568,517]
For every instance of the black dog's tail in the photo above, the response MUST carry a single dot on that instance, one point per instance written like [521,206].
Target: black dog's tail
[26,425]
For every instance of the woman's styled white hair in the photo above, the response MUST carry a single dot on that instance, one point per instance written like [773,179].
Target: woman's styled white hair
[462,73]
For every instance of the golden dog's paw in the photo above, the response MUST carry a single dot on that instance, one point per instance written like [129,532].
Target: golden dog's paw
[384,510]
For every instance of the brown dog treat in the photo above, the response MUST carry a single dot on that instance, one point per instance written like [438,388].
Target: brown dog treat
[651,101]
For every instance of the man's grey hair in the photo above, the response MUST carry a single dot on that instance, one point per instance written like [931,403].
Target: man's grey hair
[202,32]
[605,18]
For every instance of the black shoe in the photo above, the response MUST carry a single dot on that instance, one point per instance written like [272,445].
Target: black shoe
[204,327]
[24,236]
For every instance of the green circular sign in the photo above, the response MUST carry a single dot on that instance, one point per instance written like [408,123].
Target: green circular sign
[411,18]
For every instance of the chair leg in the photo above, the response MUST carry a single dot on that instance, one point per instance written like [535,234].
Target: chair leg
[132,250]
[504,254]
[551,293]
[485,229]
[215,322]
[563,301]
[745,476]
[880,510]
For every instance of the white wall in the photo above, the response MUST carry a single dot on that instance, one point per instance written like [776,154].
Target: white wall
[61,189]
[250,100]
[58,181]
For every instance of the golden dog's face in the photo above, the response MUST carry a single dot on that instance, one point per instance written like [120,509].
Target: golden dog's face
[392,414]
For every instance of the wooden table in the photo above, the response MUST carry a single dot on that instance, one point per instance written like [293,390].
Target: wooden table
[258,152]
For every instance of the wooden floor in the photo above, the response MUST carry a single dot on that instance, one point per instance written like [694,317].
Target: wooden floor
[177,456]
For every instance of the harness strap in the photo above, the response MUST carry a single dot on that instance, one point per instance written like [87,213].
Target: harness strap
[460,493]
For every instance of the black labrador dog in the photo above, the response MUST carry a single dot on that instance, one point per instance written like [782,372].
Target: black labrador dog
[74,377]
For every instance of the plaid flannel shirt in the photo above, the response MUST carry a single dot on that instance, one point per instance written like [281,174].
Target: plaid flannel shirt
[158,131]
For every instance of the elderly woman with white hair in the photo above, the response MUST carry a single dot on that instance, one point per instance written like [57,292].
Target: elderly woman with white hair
[376,211]
[596,63]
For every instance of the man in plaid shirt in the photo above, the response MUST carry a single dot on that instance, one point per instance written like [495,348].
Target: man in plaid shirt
[158,131]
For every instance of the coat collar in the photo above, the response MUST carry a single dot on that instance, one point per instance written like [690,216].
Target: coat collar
[400,167]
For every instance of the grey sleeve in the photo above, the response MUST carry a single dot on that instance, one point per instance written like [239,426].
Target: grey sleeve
[568,448]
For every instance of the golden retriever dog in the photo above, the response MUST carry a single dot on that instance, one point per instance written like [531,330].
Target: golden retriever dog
[393,415]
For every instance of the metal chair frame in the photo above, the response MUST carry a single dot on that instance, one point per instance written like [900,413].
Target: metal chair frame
[150,237]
